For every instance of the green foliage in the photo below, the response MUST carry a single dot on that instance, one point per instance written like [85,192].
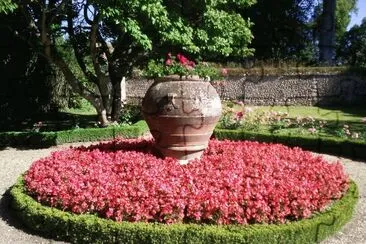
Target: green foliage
[29,85]
[51,222]
[343,10]
[79,105]
[47,139]
[159,68]
[353,45]
[281,30]
[131,114]
[343,13]
[285,30]
[7,6]
[106,40]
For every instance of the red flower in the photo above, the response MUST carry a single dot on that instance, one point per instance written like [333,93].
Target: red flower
[234,182]
[239,115]
[185,61]
[182,59]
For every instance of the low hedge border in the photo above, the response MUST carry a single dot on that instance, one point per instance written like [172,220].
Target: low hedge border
[47,139]
[86,228]
[335,146]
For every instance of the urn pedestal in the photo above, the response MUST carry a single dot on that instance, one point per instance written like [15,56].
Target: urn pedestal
[181,115]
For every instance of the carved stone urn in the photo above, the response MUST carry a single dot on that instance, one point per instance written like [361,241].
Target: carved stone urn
[181,114]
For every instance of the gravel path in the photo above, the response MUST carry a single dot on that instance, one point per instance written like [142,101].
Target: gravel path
[13,162]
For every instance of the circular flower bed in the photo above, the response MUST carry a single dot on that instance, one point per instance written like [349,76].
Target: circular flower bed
[234,182]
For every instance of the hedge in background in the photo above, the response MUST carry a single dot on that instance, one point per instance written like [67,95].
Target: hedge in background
[47,139]
[334,146]
[54,223]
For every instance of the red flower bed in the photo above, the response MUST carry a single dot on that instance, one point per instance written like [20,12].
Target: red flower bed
[234,182]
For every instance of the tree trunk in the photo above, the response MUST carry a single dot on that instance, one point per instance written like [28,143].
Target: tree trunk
[105,89]
[94,99]
[327,33]
[117,99]
[102,117]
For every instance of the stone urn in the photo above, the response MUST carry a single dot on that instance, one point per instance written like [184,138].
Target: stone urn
[181,114]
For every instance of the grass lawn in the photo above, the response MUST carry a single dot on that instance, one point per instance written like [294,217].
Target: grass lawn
[335,118]
[346,122]
[341,114]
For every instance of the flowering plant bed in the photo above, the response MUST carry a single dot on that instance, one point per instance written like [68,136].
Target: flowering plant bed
[233,183]
[88,228]
[183,67]
[339,124]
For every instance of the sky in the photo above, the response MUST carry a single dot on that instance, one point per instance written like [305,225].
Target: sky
[357,17]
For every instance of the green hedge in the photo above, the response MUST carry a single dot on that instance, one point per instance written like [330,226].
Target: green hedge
[335,146]
[60,225]
[47,139]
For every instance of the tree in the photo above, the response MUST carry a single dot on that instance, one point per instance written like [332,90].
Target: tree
[327,32]
[7,6]
[110,38]
[352,49]
[27,80]
[281,30]
[344,9]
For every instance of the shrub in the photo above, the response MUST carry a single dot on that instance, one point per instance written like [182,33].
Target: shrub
[182,66]
[131,114]
[47,139]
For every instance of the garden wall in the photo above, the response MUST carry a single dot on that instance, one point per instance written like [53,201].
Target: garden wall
[314,89]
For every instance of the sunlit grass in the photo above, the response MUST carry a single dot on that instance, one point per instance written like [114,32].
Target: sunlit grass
[85,108]
[347,122]
[342,114]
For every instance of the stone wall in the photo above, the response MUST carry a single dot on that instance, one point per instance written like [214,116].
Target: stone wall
[319,89]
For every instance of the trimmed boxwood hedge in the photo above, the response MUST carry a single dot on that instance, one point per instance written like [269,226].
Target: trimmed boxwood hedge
[86,228]
[335,146]
[330,145]
[47,139]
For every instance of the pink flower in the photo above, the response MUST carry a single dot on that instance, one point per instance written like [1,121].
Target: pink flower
[234,182]
[224,71]
[168,62]
[363,120]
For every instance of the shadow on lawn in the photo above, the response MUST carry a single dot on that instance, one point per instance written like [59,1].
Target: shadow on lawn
[357,110]
[52,122]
